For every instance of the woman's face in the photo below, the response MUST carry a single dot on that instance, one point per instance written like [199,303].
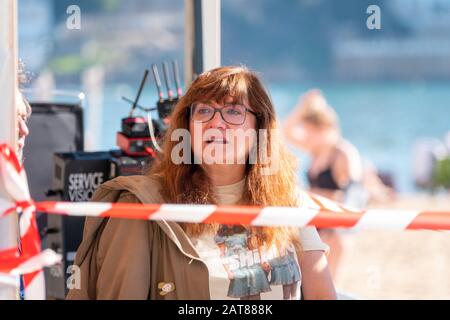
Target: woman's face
[217,141]
[23,114]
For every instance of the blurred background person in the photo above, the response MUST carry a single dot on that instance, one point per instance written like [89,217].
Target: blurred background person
[313,127]
[378,187]
[335,164]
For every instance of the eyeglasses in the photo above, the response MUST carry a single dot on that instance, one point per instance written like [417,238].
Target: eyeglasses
[232,114]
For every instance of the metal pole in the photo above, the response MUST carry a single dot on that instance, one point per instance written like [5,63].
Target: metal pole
[93,83]
[202,37]
[8,84]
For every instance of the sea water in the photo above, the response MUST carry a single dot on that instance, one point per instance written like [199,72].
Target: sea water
[383,120]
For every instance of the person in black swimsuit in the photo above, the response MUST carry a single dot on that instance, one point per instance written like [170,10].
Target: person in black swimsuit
[335,163]
[324,179]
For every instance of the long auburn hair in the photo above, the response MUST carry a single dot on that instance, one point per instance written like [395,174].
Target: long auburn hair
[189,183]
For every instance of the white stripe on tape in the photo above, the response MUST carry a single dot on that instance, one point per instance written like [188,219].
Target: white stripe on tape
[274,216]
[308,202]
[83,209]
[43,259]
[183,213]
[385,219]
[5,205]
[36,289]
[16,183]
[25,220]
[9,279]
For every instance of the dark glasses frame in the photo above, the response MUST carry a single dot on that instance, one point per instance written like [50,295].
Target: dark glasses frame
[192,106]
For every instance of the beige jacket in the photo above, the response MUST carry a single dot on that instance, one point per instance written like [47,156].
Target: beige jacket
[138,259]
[115,262]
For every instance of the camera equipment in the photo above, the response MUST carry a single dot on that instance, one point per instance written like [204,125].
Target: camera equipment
[166,106]
[135,137]
[77,174]
[167,80]
[76,177]
[176,76]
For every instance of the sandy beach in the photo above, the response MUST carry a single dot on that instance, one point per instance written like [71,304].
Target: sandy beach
[398,265]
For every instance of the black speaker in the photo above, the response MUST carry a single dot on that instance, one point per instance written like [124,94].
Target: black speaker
[55,161]
[54,127]
[76,175]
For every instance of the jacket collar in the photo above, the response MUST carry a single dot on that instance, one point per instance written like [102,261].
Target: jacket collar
[147,190]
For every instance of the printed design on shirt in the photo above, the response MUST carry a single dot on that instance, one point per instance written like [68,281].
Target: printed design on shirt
[166,287]
[252,269]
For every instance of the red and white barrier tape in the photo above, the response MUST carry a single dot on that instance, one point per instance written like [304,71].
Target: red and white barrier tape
[314,211]
[316,215]
[29,260]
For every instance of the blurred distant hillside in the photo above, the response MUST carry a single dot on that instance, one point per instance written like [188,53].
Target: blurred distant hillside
[286,40]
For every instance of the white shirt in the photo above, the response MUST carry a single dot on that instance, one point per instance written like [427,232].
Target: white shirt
[239,270]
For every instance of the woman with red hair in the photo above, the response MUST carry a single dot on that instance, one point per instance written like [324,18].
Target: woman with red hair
[212,153]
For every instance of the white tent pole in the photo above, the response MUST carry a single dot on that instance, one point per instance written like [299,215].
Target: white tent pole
[211,34]
[8,84]
[202,37]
